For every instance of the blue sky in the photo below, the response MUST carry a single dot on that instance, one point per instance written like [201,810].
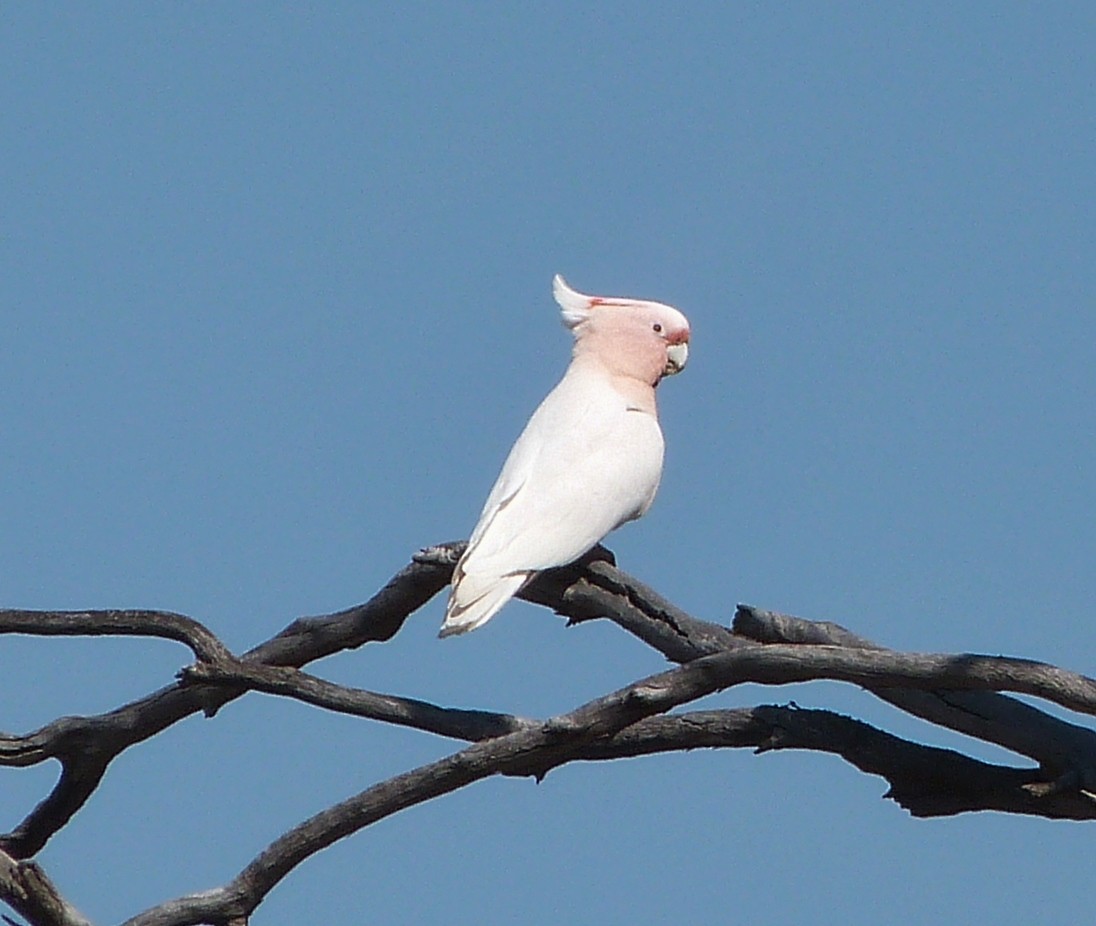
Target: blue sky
[276,301]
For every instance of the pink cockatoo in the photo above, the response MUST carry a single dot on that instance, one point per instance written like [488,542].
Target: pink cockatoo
[589,459]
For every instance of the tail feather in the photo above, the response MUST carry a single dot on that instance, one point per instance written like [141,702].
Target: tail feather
[474,600]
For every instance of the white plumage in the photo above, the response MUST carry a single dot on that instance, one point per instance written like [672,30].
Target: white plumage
[589,459]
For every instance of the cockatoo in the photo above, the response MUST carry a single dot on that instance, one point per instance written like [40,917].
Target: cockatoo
[589,460]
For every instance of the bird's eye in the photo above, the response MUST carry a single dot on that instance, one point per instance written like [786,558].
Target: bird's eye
[658,328]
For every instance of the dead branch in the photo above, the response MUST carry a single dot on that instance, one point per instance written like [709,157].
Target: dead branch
[1058,746]
[33,896]
[961,692]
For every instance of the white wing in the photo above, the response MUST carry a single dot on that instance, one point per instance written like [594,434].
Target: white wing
[585,464]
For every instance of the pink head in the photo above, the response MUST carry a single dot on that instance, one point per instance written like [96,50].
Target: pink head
[631,337]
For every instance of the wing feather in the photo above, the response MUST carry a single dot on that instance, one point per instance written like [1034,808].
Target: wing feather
[585,464]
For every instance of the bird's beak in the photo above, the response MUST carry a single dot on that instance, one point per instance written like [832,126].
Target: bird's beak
[677,355]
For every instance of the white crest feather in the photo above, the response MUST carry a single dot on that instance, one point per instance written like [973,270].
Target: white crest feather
[574,306]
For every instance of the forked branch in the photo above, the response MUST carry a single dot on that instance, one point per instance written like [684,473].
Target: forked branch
[960,692]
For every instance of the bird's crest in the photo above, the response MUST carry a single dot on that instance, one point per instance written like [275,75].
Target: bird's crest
[574,306]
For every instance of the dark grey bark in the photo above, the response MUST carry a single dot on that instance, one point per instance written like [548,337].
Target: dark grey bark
[960,692]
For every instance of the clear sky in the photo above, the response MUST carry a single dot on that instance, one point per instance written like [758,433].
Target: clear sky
[275,301]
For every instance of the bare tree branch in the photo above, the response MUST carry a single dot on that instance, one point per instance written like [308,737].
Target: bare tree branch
[1060,747]
[916,785]
[165,624]
[33,896]
[560,737]
[406,712]
[960,692]
[563,738]
[86,745]
[925,780]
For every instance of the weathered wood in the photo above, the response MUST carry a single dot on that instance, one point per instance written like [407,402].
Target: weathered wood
[961,692]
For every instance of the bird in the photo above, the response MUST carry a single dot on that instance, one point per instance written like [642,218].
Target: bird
[588,461]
